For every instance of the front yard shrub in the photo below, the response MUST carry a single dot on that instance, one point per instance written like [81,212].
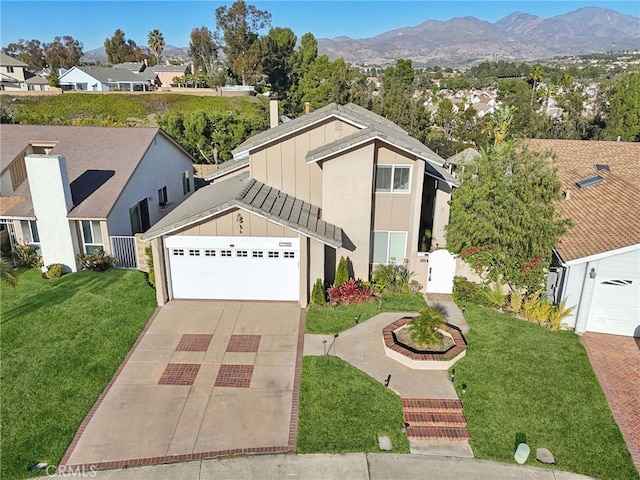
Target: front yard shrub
[342,273]
[353,291]
[55,270]
[151,276]
[317,293]
[466,291]
[493,295]
[516,299]
[26,256]
[97,261]
[423,329]
[393,278]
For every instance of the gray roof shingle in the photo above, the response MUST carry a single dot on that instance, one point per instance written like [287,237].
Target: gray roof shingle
[242,191]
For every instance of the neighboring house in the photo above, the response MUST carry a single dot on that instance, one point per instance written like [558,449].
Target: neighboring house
[15,76]
[597,264]
[105,79]
[70,190]
[340,181]
[166,73]
[457,163]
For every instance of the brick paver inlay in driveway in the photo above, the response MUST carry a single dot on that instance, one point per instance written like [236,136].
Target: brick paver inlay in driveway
[238,376]
[179,374]
[191,342]
[244,343]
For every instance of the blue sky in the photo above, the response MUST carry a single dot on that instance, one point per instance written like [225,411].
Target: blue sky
[91,22]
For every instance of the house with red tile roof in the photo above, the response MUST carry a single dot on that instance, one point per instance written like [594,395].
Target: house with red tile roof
[596,265]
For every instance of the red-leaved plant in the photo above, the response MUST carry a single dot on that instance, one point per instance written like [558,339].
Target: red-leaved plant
[350,292]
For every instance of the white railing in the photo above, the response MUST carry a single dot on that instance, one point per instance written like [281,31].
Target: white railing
[124,249]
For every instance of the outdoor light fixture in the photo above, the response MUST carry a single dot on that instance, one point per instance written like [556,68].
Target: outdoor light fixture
[357,319]
[592,273]
[324,346]
[464,388]
[453,375]
[386,382]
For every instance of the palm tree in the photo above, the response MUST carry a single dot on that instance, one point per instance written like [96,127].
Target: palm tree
[156,44]
[535,75]
[8,275]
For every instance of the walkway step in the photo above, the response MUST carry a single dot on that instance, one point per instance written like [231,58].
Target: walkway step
[438,433]
[432,404]
[428,419]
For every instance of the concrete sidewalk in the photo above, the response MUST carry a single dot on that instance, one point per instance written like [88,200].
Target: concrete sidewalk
[354,466]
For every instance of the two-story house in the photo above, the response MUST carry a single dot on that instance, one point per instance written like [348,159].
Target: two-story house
[340,181]
[70,190]
[15,76]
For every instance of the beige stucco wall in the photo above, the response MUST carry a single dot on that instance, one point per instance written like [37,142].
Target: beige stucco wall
[228,225]
[283,165]
[347,195]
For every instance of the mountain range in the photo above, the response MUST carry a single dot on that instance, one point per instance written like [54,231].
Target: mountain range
[465,41]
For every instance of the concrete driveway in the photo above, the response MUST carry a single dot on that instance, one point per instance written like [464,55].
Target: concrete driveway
[205,378]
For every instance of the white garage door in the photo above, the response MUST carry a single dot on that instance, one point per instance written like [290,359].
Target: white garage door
[234,268]
[615,307]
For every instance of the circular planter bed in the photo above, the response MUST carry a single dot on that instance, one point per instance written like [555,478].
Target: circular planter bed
[398,347]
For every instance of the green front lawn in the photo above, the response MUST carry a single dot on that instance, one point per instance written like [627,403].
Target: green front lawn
[523,379]
[61,342]
[328,320]
[344,410]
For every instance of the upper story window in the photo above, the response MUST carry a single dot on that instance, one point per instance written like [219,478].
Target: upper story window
[163,198]
[393,179]
[9,69]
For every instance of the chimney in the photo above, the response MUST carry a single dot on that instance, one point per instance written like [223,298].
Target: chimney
[273,112]
[307,107]
[193,69]
[51,198]
[567,194]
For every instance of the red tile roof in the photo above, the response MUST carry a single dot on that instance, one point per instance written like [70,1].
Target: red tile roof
[607,214]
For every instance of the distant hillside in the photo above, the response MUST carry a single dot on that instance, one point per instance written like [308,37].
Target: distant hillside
[467,40]
[170,52]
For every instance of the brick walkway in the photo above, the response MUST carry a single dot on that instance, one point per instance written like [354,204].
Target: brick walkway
[616,362]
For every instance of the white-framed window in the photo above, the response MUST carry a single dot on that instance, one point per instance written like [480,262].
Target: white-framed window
[194,252]
[274,254]
[178,252]
[225,253]
[163,199]
[186,184]
[388,247]
[91,236]
[9,69]
[242,253]
[289,255]
[393,179]
[30,235]
[257,254]
[209,253]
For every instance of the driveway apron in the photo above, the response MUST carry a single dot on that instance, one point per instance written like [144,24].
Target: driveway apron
[206,378]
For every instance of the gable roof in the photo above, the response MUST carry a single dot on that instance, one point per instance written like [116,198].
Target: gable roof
[100,160]
[244,192]
[467,156]
[9,61]
[351,113]
[605,214]
[108,75]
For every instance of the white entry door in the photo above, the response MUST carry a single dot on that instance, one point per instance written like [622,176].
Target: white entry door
[234,268]
[442,269]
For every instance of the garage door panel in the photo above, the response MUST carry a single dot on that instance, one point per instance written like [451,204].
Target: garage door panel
[246,268]
[615,307]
